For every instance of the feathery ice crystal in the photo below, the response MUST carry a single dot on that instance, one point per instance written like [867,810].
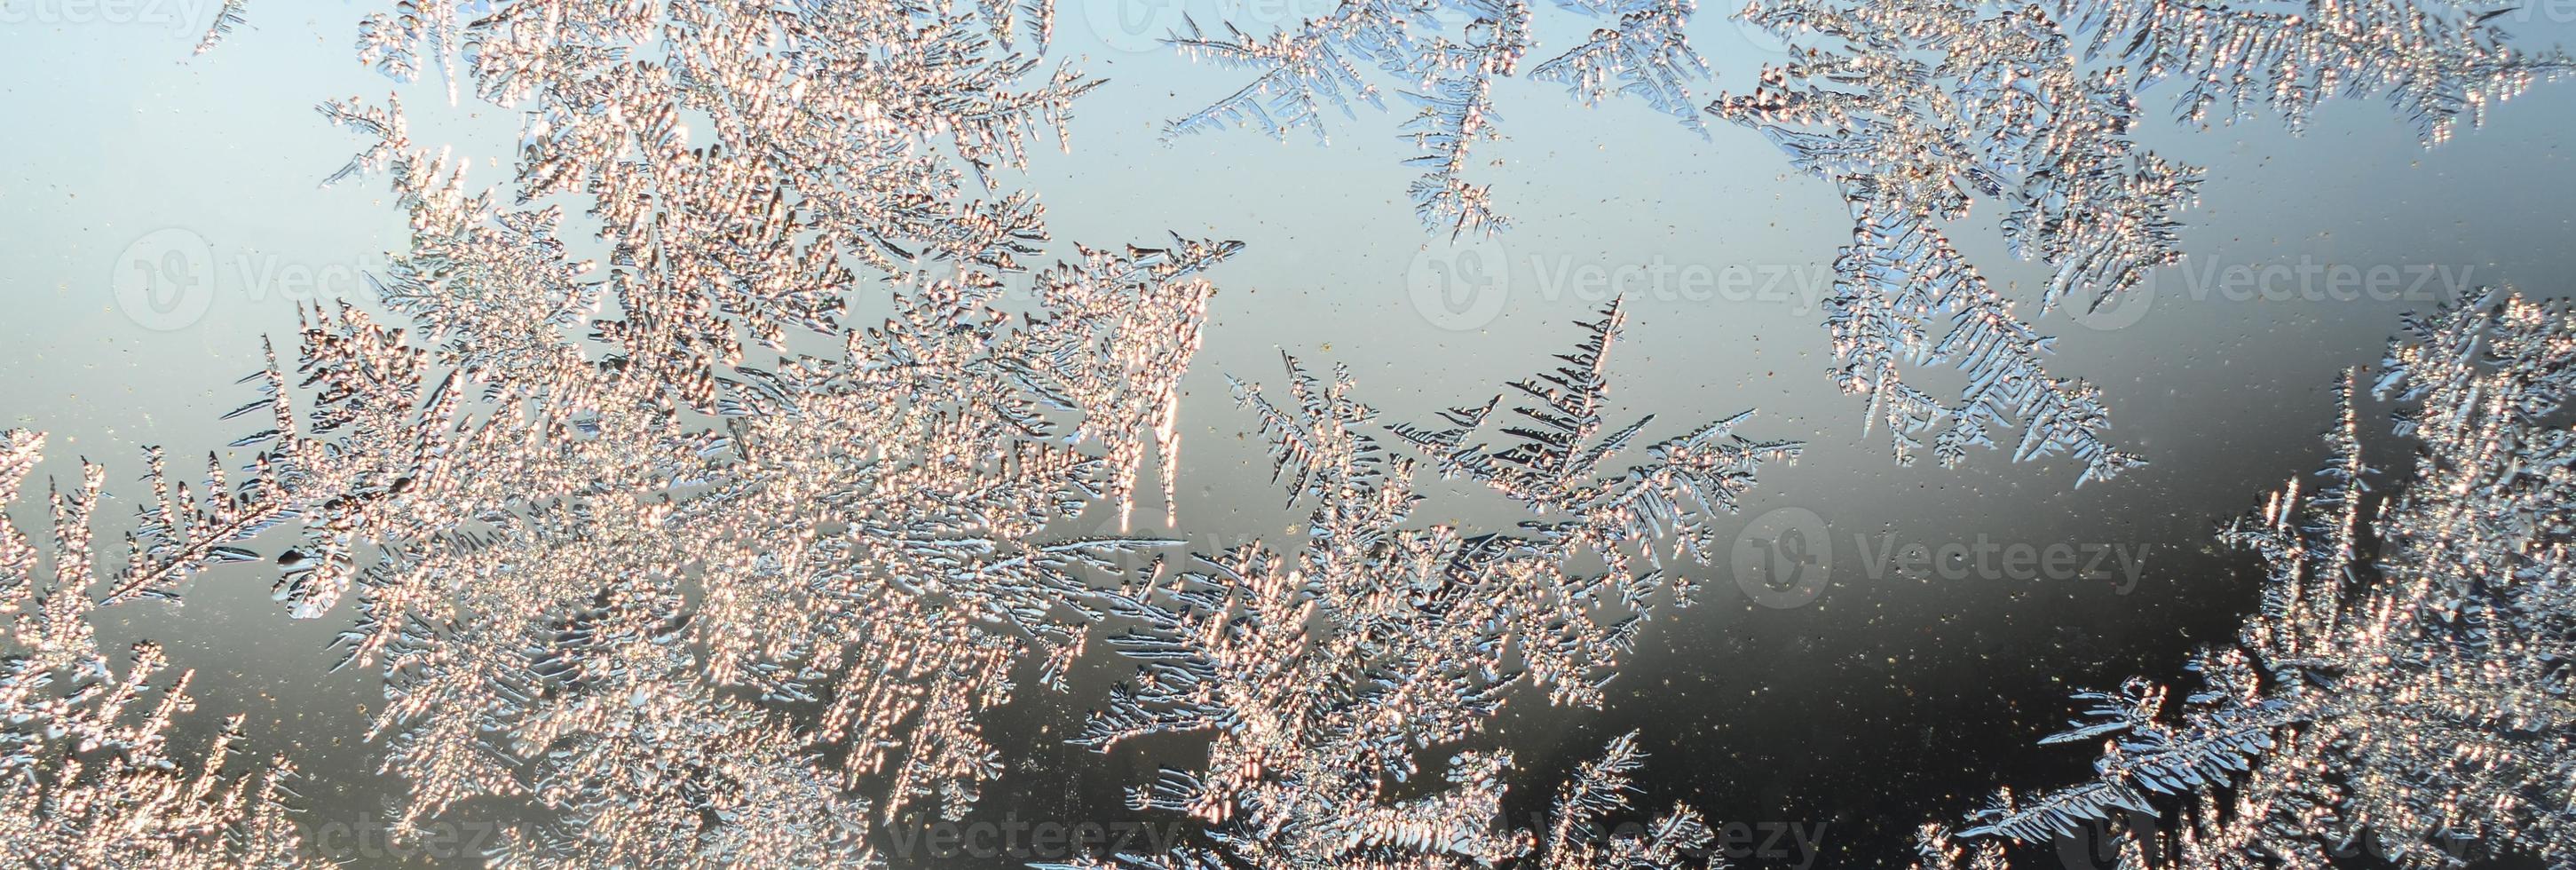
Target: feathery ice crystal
[654,534]
[93,780]
[1320,674]
[1914,110]
[2404,691]
[693,607]
[1449,53]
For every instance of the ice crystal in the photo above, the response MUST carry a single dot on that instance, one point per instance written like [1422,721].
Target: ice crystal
[519,462]
[1320,674]
[227,17]
[1914,110]
[1447,66]
[659,538]
[1897,286]
[1453,832]
[94,780]
[2404,688]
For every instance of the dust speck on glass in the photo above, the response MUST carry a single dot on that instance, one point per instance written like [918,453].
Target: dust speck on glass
[724,458]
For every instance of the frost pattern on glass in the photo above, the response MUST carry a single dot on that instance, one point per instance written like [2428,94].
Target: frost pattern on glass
[1320,674]
[2415,700]
[93,778]
[704,568]
[1447,54]
[1916,110]
[521,462]
[227,16]
[1898,286]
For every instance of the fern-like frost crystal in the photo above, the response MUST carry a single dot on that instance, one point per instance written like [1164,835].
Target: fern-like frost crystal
[698,489]
[2411,705]
[1322,672]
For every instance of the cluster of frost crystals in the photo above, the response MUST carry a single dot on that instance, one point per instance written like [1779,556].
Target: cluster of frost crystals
[1915,110]
[1903,296]
[1446,56]
[2405,690]
[1320,675]
[2005,113]
[93,780]
[646,528]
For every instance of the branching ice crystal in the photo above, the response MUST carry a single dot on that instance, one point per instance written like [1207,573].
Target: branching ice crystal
[1897,286]
[93,778]
[2414,703]
[1447,54]
[1319,675]
[1916,109]
[701,609]
[654,534]
[227,17]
